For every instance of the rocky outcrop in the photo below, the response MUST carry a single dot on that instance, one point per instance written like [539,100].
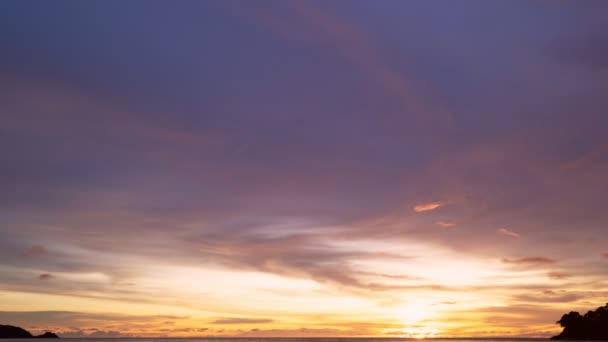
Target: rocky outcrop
[9,331]
[591,326]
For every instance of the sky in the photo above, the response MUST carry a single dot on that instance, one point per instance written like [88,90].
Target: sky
[302,168]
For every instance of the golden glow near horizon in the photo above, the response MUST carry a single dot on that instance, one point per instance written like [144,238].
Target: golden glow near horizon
[438,292]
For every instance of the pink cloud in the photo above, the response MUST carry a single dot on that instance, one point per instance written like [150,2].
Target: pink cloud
[507,232]
[445,224]
[426,206]
[33,251]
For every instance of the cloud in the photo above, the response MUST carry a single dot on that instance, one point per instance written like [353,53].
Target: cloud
[558,275]
[426,206]
[518,314]
[70,319]
[318,25]
[550,297]
[33,251]
[46,276]
[107,167]
[448,303]
[305,332]
[238,320]
[507,232]
[445,224]
[529,260]
[389,276]
[96,333]
[297,255]
[185,330]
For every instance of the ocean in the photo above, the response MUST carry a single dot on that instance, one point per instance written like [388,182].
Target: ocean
[279,339]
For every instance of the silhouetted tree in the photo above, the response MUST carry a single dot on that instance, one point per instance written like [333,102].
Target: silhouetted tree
[570,319]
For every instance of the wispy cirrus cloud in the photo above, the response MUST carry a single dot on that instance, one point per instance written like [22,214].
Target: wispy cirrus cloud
[508,232]
[550,297]
[427,206]
[33,251]
[559,275]
[314,23]
[529,260]
[446,224]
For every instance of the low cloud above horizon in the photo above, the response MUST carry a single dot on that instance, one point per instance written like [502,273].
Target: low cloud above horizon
[302,168]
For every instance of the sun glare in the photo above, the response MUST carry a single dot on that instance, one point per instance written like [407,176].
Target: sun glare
[415,312]
[416,318]
[420,332]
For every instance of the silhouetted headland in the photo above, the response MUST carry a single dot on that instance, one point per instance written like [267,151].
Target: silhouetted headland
[9,331]
[591,326]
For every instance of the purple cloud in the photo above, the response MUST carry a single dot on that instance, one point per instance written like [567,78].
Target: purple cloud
[508,232]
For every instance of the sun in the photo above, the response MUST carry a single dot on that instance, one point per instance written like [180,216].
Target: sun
[416,318]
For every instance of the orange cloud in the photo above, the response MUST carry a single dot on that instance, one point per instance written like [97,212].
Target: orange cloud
[507,232]
[558,275]
[529,260]
[426,206]
[239,320]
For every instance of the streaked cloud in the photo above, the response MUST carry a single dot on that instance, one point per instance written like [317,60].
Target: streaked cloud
[550,297]
[559,275]
[529,260]
[446,224]
[241,320]
[427,206]
[33,251]
[508,232]
[93,334]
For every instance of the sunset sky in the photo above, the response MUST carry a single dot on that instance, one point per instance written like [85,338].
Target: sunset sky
[302,168]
